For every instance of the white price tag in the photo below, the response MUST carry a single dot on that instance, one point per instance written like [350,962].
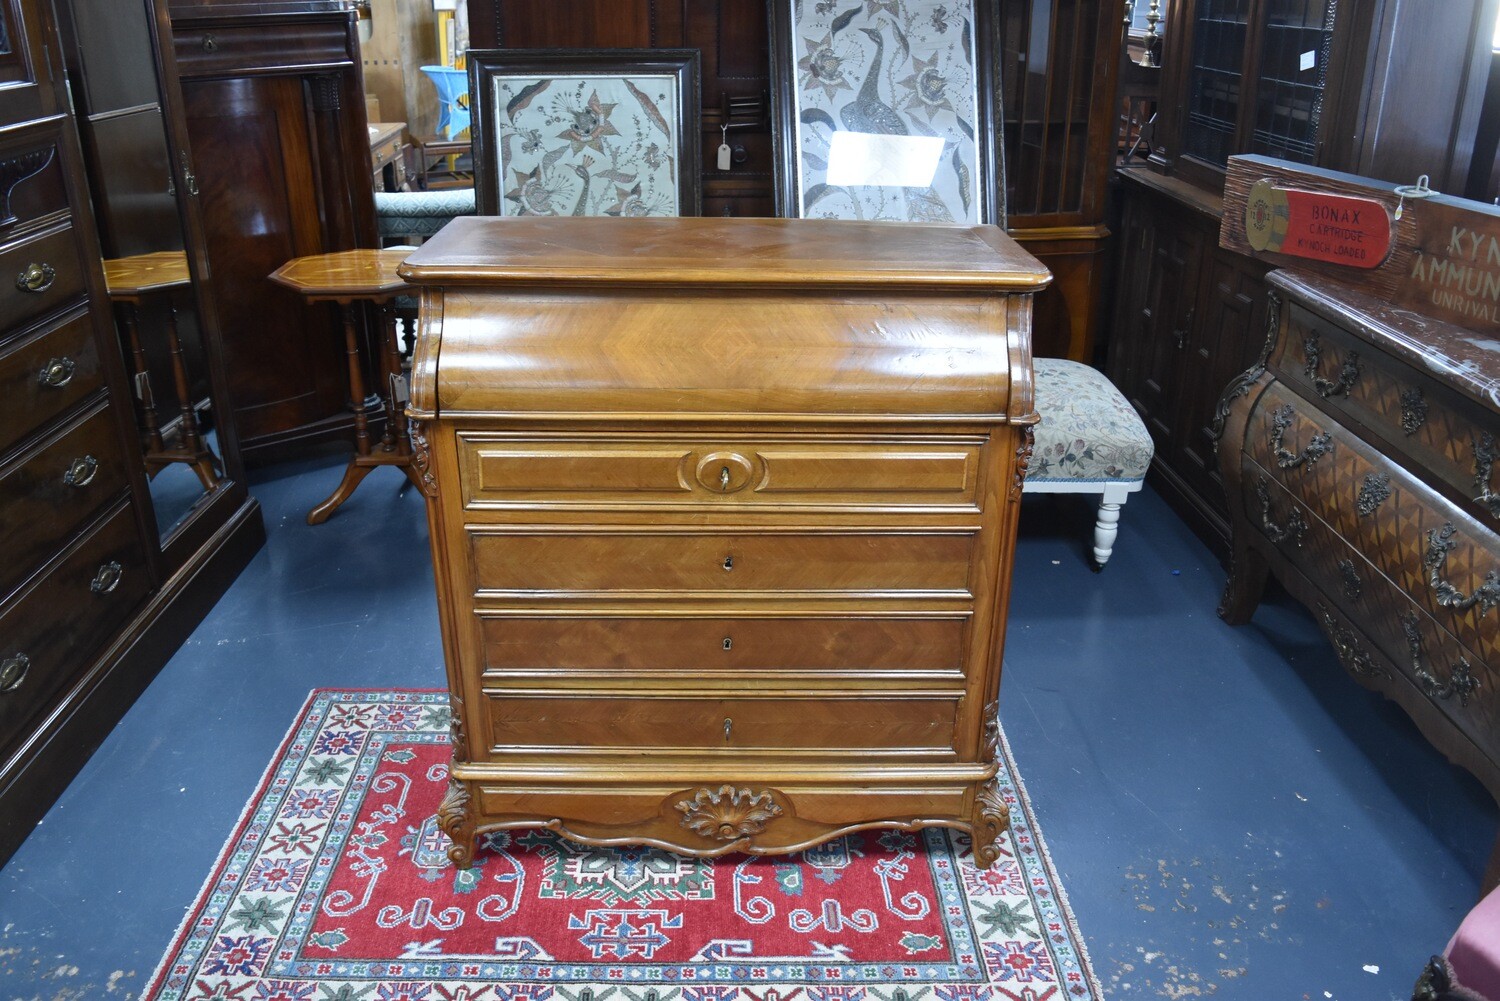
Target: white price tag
[1309,60]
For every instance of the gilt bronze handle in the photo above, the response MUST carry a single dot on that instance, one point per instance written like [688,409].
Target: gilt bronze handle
[1439,544]
[1319,446]
[1461,680]
[37,278]
[1294,528]
[1348,373]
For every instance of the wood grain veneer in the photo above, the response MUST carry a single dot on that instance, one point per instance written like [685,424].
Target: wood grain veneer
[722,514]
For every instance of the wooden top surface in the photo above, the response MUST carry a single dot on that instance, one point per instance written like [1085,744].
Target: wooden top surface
[381,131]
[722,251]
[163,269]
[344,274]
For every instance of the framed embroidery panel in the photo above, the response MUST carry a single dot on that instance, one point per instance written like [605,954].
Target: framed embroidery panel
[885,110]
[598,132]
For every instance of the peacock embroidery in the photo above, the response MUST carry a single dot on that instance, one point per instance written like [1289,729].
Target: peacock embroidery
[887,68]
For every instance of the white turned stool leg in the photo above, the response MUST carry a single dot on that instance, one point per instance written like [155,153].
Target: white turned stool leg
[1108,526]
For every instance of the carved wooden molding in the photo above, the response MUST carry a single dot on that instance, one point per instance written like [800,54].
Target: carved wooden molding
[1023,460]
[991,820]
[727,813]
[457,822]
[421,458]
[1242,383]
[326,95]
[16,169]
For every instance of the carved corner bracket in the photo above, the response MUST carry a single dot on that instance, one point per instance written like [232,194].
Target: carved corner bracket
[1023,461]
[421,458]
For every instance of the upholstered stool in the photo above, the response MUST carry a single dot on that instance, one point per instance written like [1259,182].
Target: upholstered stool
[1090,441]
[412,216]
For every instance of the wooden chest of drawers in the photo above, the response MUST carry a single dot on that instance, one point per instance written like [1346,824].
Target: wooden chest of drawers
[722,517]
[1359,459]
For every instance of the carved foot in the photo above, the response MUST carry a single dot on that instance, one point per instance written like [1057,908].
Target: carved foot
[457,822]
[353,474]
[991,820]
[1248,571]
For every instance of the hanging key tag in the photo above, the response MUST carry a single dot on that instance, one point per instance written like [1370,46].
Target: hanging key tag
[724,148]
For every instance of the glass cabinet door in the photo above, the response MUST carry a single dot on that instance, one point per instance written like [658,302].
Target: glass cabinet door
[1221,30]
[1292,76]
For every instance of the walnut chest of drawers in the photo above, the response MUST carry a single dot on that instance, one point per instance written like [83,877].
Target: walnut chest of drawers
[722,517]
[1358,456]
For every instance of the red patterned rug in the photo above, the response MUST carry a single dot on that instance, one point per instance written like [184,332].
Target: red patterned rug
[335,887]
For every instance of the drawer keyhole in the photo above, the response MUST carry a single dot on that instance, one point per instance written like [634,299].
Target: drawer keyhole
[728,725]
[724,479]
[728,643]
[729,563]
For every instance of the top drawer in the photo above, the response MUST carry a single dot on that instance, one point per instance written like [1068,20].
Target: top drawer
[826,472]
[1439,430]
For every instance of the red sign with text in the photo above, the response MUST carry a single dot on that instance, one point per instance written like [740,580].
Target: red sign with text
[1338,229]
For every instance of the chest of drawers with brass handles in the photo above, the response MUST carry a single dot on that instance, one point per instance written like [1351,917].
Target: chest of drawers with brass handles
[722,514]
[1359,460]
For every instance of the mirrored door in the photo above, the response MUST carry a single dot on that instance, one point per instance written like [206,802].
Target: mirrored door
[143,190]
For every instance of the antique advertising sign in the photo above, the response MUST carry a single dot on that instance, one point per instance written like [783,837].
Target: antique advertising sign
[1317,225]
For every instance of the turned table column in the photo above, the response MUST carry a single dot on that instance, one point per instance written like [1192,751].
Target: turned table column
[355,280]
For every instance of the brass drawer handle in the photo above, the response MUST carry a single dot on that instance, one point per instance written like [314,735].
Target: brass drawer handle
[37,278]
[13,671]
[57,373]
[1312,350]
[1319,446]
[108,578]
[1439,544]
[1461,680]
[81,472]
[1294,528]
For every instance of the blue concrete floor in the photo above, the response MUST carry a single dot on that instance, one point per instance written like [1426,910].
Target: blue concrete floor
[1232,816]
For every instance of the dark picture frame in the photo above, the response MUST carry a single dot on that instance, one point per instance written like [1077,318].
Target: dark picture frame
[814,47]
[586,131]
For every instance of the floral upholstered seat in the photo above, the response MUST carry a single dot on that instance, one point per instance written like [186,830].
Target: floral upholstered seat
[1089,433]
[1090,440]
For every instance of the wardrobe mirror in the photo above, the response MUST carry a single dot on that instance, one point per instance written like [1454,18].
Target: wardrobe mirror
[136,190]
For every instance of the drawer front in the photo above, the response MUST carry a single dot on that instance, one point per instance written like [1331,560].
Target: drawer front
[44,375]
[637,562]
[519,644]
[565,722]
[625,473]
[52,631]
[1456,679]
[38,275]
[1431,549]
[50,493]
[1436,428]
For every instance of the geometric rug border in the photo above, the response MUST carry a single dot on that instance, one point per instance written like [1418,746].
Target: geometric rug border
[1023,799]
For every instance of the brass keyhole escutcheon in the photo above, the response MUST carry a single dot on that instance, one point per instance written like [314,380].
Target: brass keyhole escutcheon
[728,726]
[728,643]
[724,472]
[729,563]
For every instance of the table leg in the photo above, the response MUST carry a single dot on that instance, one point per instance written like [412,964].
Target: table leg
[141,377]
[190,435]
[356,379]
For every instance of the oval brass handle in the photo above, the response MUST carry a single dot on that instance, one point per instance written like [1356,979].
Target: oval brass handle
[108,578]
[57,373]
[1319,446]
[81,472]
[729,563]
[37,278]
[13,671]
